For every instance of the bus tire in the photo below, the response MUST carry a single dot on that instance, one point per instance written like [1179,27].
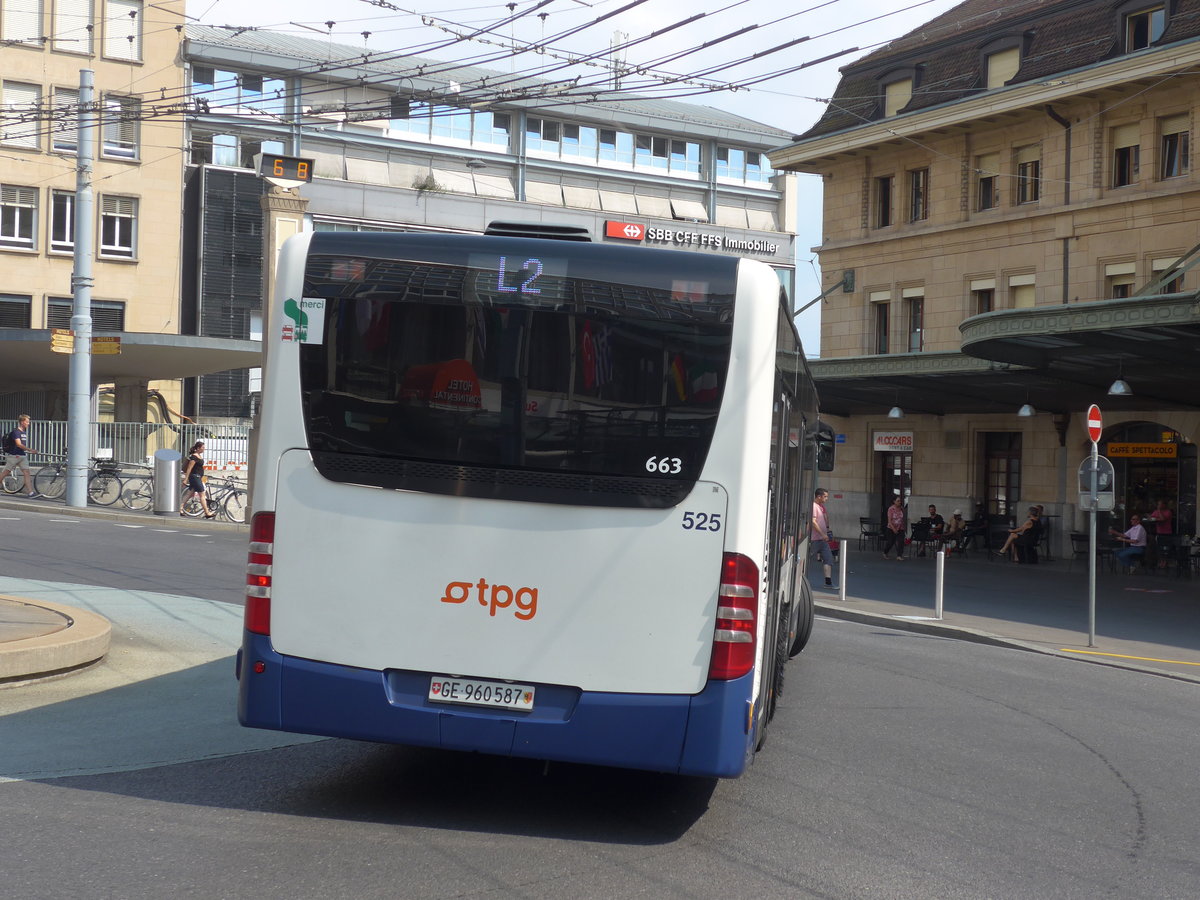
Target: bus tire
[804,620]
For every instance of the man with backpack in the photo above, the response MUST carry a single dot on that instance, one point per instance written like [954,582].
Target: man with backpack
[16,454]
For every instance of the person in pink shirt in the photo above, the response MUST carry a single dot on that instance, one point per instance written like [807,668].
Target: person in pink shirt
[1161,517]
[820,534]
[894,528]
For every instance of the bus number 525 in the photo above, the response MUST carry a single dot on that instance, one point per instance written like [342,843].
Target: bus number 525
[694,521]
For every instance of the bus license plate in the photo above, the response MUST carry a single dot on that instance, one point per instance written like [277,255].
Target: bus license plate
[471,692]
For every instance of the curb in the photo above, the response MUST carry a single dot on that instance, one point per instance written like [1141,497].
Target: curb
[56,507]
[83,642]
[972,635]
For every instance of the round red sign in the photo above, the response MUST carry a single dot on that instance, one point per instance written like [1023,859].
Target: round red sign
[1095,423]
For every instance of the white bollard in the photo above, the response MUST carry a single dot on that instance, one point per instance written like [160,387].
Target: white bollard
[941,583]
[842,572]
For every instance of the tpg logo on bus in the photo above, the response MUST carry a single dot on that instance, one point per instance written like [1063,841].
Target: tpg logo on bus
[494,596]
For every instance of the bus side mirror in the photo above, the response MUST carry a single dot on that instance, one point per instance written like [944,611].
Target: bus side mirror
[824,448]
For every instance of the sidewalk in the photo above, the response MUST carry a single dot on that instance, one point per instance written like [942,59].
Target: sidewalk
[1150,623]
[41,639]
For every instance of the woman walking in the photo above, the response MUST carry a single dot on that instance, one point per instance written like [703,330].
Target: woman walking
[193,477]
[897,525]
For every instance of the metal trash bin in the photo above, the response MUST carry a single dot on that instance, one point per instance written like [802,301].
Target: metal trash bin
[166,482]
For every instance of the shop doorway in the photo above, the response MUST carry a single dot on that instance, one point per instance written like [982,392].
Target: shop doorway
[895,480]
[1151,463]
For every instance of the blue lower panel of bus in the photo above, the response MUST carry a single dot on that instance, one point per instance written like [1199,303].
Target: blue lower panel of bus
[704,734]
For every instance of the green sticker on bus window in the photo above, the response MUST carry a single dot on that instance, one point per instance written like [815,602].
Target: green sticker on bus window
[305,320]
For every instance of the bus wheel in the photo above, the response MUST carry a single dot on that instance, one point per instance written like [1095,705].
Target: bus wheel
[804,621]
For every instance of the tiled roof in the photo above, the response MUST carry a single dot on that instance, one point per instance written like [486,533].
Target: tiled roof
[1059,35]
[270,46]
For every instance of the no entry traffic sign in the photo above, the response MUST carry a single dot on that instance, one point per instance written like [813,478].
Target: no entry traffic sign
[1095,423]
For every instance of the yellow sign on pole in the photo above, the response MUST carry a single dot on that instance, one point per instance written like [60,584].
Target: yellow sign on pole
[62,340]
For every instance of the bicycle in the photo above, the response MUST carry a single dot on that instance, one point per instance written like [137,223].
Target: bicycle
[104,485]
[227,498]
[137,492]
[51,479]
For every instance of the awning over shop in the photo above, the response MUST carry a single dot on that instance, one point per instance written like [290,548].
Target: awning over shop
[1057,358]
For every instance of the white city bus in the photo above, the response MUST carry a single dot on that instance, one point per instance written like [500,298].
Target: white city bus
[528,496]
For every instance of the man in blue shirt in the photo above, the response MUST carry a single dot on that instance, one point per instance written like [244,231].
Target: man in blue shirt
[16,454]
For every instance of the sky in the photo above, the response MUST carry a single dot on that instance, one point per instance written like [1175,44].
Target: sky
[789,100]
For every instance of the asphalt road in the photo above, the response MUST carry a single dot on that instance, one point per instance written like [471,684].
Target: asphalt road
[899,766]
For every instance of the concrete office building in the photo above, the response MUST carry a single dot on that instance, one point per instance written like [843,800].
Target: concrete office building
[132,48]
[1010,225]
[401,143]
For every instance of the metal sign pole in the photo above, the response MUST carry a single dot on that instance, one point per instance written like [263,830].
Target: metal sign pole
[1092,546]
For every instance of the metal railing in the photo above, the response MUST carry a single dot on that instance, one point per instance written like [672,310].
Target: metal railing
[226,447]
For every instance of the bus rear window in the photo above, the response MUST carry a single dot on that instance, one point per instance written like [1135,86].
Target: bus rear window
[515,369]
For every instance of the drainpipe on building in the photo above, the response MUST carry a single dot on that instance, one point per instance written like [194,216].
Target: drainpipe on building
[1066,242]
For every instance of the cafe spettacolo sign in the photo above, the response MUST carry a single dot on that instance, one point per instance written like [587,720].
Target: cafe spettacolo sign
[686,239]
[1126,450]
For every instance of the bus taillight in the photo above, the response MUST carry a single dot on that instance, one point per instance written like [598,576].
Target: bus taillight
[737,603]
[258,573]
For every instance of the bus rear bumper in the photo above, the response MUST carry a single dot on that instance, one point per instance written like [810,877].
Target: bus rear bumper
[703,734]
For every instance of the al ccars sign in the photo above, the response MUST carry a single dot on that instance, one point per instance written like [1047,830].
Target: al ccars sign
[625,231]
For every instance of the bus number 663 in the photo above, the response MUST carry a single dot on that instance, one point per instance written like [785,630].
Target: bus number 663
[694,521]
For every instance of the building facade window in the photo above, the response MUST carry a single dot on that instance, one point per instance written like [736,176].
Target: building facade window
[883,200]
[107,315]
[1028,162]
[18,216]
[451,123]
[918,195]
[880,332]
[21,22]
[1174,156]
[62,221]
[983,300]
[740,165]
[123,29]
[1001,471]
[118,227]
[73,26]
[15,310]
[987,181]
[1159,267]
[21,102]
[233,151]
[1002,66]
[64,132]
[1022,291]
[896,96]
[225,89]
[1126,158]
[119,117]
[915,314]
[1144,26]
[1119,280]
[616,146]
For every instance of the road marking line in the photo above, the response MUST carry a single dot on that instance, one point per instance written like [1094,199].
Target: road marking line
[123,525]
[1177,662]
